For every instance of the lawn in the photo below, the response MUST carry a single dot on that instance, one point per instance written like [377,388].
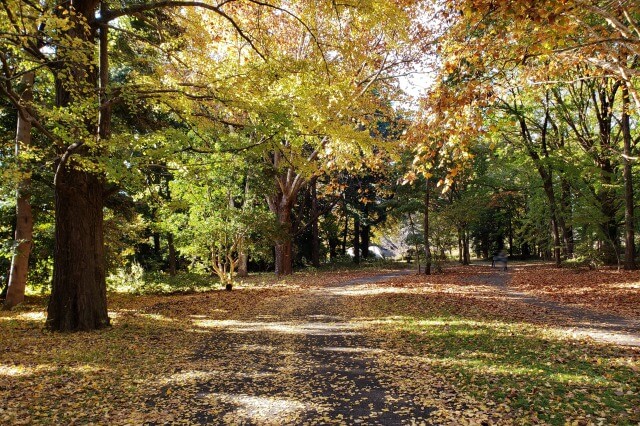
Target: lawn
[451,346]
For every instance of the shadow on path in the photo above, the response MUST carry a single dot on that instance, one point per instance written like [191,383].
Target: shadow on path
[308,368]
[600,327]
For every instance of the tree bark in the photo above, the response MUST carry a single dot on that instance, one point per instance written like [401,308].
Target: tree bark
[24,217]
[427,245]
[510,236]
[567,230]
[243,263]
[356,240]
[466,258]
[284,245]
[78,295]
[365,240]
[345,232]
[460,249]
[546,174]
[315,232]
[629,251]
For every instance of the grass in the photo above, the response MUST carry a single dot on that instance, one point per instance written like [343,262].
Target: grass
[537,373]
[452,346]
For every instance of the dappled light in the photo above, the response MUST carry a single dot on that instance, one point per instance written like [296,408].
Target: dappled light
[264,410]
[447,348]
[319,212]
[306,328]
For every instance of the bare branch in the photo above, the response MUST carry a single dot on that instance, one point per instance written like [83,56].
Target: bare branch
[110,15]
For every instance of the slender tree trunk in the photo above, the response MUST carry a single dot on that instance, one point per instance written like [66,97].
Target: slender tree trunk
[510,236]
[24,216]
[460,249]
[608,205]
[629,251]
[567,230]
[156,244]
[365,235]
[466,260]
[356,240]
[427,244]
[243,254]
[78,294]
[345,231]
[315,231]
[548,189]
[172,255]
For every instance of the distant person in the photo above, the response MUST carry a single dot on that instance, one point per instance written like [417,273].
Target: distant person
[500,259]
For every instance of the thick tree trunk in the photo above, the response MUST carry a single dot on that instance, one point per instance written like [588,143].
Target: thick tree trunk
[427,244]
[243,264]
[78,295]
[460,249]
[284,245]
[172,255]
[629,251]
[24,217]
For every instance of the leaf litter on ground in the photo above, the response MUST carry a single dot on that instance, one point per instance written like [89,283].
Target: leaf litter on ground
[442,349]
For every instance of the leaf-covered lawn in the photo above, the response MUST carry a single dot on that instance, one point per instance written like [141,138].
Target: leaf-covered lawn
[436,350]
[606,290]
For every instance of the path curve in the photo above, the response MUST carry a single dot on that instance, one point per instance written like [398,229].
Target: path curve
[601,327]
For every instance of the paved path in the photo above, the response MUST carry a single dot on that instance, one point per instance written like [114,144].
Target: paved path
[600,327]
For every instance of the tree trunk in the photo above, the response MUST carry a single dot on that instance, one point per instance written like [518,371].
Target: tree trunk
[466,258]
[243,263]
[510,236]
[629,251]
[427,245]
[365,236]
[315,232]
[567,230]
[24,217]
[356,240]
[608,204]
[156,244]
[460,249]
[78,296]
[172,255]
[345,233]
[284,246]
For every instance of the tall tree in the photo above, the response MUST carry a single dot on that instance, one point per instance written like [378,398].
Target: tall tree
[24,217]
